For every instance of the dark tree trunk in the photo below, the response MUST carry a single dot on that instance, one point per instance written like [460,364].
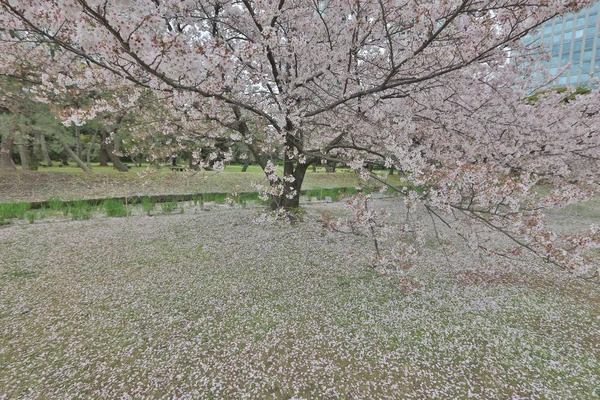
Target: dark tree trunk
[64,159]
[290,198]
[392,171]
[117,164]
[246,165]
[108,149]
[104,157]
[44,148]
[89,152]
[72,154]
[35,154]
[6,162]
[78,142]
[330,166]
[23,151]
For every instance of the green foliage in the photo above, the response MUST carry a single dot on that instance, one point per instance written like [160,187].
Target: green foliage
[80,210]
[198,201]
[578,91]
[56,204]
[168,206]
[31,216]
[13,210]
[217,198]
[148,205]
[220,198]
[114,208]
[16,274]
[336,194]
[297,214]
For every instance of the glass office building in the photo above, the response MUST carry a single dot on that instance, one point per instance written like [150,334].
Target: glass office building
[572,39]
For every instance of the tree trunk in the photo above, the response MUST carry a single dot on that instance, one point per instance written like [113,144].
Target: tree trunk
[6,162]
[190,159]
[246,165]
[330,166]
[116,144]
[23,151]
[64,159]
[44,148]
[290,199]
[104,157]
[89,152]
[78,142]
[34,155]
[392,171]
[117,164]
[72,154]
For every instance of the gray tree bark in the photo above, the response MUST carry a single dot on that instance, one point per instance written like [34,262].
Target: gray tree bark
[246,165]
[89,151]
[6,162]
[117,164]
[44,148]
[23,151]
[78,142]
[72,154]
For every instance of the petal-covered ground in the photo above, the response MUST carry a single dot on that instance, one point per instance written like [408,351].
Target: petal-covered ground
[44,185]
[216,305]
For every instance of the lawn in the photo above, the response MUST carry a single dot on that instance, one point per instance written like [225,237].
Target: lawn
[215,303]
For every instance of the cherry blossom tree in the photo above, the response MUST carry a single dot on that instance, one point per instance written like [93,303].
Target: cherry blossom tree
[435,88]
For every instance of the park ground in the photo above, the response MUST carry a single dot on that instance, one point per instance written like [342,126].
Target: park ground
[211,302]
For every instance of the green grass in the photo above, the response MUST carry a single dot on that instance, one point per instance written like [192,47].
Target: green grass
[55,204]
[95,168]
[335,194]
[168,206]
[217,198]
[234,168]
[80,209]
[31,217]
[13,210]
[114,208]
[148,204]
